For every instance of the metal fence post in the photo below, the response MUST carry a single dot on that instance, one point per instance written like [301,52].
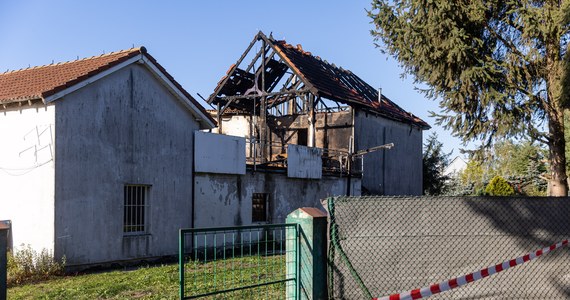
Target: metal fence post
[181,262]
[291,260]
[298,262]
[312,252]
[4,230]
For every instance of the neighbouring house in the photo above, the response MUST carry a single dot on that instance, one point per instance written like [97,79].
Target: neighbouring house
[455,167]
[96,161]
[281,99]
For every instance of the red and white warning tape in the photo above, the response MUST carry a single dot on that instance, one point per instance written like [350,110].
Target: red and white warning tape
[463,280]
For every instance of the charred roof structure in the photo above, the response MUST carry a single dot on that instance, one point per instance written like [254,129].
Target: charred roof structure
[288,72]
[287,95]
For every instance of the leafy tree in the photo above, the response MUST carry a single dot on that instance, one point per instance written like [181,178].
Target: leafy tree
[498,186]
[473,174]
[497,67]
[522,164]
[434,163]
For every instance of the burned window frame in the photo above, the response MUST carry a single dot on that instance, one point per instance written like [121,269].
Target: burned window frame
[260,208]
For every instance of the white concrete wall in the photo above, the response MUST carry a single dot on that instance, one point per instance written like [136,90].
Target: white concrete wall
[304,162]
[218,153]
[236,126]
[397,171]
[27,174]
[126,128]
[226,200]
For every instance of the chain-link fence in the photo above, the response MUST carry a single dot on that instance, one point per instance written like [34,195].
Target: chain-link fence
[380,246]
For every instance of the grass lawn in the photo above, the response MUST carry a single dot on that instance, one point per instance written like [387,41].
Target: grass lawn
[144,283]
[161,282]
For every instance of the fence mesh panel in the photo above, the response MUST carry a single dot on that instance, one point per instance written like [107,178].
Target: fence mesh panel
[380,246]
[247,262]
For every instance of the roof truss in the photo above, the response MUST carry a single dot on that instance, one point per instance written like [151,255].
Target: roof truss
[263,79]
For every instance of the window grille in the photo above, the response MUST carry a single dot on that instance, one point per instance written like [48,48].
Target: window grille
[135,204]
[259,207]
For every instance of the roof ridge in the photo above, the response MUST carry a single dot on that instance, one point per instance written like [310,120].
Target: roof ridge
[141,49]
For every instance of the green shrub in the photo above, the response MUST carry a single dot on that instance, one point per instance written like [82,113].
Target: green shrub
[498,186]
[27,265]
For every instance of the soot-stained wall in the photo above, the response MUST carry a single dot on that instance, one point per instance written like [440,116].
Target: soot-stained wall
[226,200]
[126,128]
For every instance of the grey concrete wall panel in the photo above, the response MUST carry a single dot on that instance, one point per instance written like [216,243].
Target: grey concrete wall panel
[304,162]
[216,153]
[126,128]
[397,244]
[397,171]
[226,200]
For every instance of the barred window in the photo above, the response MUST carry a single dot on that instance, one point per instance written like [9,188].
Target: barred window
[135,204]
[260,207]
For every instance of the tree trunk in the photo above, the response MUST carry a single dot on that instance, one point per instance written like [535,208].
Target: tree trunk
[555,108]
[557,151]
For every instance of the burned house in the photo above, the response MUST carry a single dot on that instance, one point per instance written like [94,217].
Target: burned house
[277,95]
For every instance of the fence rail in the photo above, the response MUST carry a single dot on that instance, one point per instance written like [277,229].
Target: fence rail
[247,262]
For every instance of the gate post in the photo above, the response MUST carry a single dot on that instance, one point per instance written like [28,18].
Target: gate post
[4,228]
[312,253]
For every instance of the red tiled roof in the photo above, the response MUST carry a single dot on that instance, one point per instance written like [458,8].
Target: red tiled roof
[342,85]
[43,81]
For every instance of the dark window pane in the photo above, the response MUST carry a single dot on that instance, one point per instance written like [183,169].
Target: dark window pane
[259,207]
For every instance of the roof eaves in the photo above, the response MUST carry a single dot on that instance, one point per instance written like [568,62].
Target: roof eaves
[20,99]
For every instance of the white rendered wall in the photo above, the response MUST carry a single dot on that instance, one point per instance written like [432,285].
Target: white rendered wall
[27,175]
[218,153]
[236,126]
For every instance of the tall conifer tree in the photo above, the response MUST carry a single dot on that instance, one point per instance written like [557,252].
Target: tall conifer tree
[498,67]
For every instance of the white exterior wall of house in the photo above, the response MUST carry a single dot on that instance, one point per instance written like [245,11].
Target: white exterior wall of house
[27,174]
[456,166]
[126,128]
[397,171]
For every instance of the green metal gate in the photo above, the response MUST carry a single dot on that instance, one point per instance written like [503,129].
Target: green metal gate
[244,262]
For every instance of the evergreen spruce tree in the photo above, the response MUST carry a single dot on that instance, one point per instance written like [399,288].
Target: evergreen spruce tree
[434,163]
[497,67]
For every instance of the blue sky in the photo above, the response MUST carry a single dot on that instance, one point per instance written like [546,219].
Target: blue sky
[197,41]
